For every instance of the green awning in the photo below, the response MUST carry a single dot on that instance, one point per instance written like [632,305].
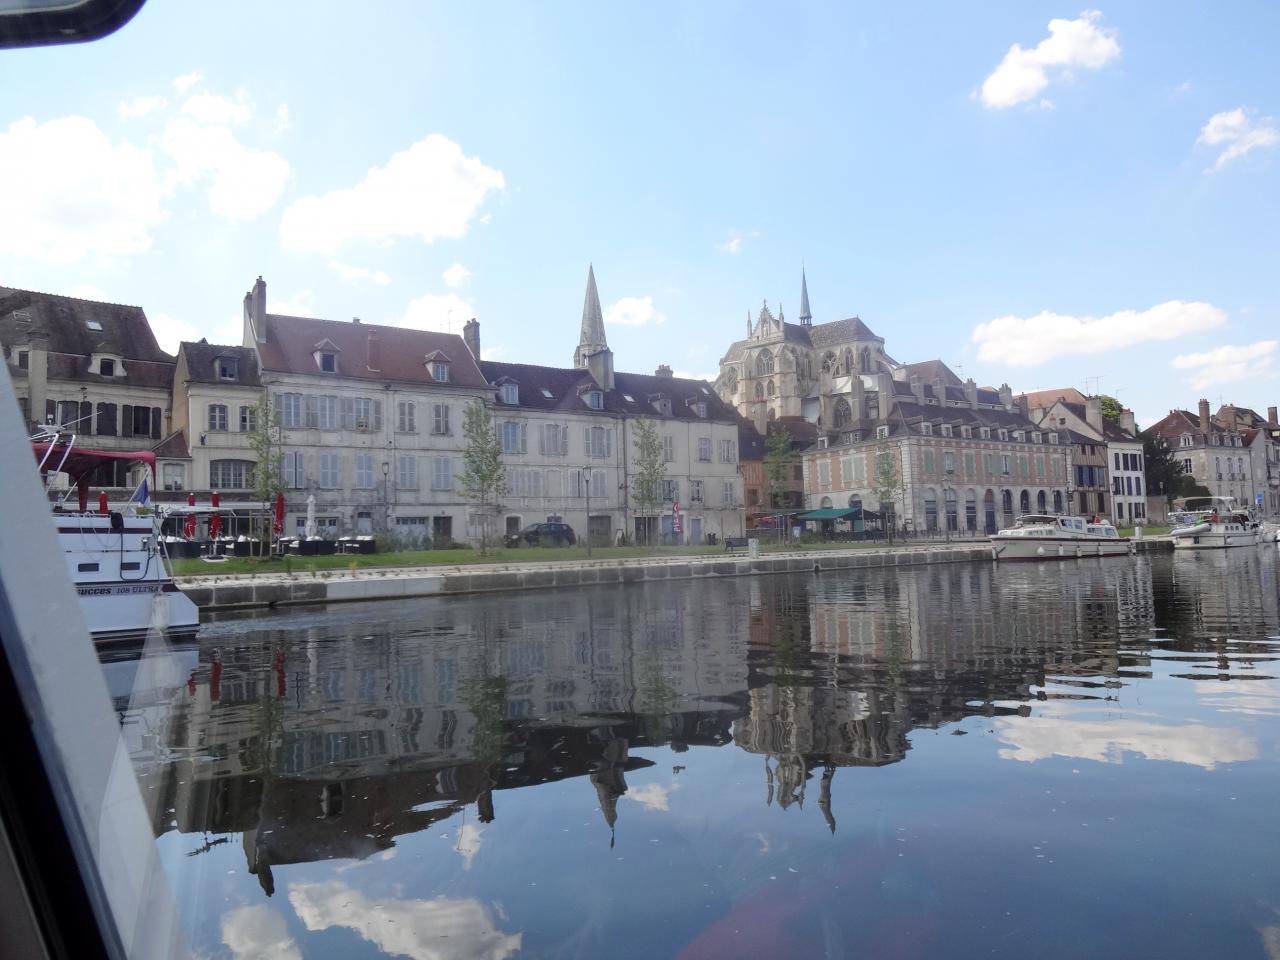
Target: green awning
[830,513]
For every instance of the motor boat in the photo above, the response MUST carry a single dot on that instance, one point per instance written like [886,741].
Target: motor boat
[1207,523]
[115,557]
[1038,536]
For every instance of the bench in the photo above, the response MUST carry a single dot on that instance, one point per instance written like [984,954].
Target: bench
[734,543]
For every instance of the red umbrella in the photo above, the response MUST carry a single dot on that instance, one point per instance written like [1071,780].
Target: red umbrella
[191,499]
[278,527]
[189,528]
[215,520]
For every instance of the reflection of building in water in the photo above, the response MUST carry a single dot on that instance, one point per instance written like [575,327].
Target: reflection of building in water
[331,741]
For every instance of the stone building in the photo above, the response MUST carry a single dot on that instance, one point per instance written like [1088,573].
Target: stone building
[1262,440]
[216,391]
[1215,452]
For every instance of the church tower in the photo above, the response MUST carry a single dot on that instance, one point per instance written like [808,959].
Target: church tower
[593,353]
[806,315]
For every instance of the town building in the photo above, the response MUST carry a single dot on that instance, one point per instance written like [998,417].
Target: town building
[216,395]
[1262,440]
[1217,451]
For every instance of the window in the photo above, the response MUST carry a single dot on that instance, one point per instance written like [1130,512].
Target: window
[704,449]
[440,418]
[228,368]
[174,476]
[361,416]
[440,371]
[93,325]
[1004,434]
[290,407]
[969,464]
[764,364]
[441,473]
[554,440]
[326,412]
[106,368]
[695,491]
[511,393]
[407,472]
[1186,466]
[729,495]
[824,473]
[1053,437]
[328,362]
[364,471]
[948,462]
[548,394]
[599,442]
[24,359]
[700,409]
[146,422]
[513,435]
[595,399]
[1004,464]
[1117,456]
[669,490]
[1137,486]
[248,419]
[406,416]
[668,448]
[882,433]
[984,433]
[841,413]
[928,461]
[728,451]
[230,474]
[946,429]
[329,471]
[926,429]
[294,471]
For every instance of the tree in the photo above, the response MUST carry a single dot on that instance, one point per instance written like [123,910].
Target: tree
[1111,408]
[778,461]
[1162,469]
[888,484]
[650,469]
[484,478]
[266,440]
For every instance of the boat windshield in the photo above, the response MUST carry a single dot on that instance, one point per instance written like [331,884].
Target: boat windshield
[1035,520]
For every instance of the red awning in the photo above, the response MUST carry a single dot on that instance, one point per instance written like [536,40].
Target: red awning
[81,460]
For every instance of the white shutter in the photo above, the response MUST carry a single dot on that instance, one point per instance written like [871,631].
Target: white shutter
[524,437]
[608,442]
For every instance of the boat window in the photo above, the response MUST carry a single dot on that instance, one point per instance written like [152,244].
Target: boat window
[131,566]
[87,567]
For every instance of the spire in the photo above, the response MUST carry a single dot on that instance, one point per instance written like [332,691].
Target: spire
[806,315]
[781,318]
[591,340]
[748,323]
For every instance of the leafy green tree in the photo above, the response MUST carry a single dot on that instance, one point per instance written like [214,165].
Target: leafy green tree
[1162,468]
[650,469]
[1111,408]
[266,441]
[484,478]
[778,463]
[888,483]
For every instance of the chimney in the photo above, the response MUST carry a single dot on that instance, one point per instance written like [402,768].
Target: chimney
[1204,415]
[1271,415]
[917,388]
[374,361]
[1093,413]
[971,393]
[1127,422]
[1006,396]
[471,337]
[255,314]
[355,319]
[664,370]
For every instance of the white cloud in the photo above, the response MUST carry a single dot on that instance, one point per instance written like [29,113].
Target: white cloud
[430,190]
[282,118]
[87,291]
[736,239]
[70,191]
[632,312]
[170,331]
[468,843]
[456,275]
[1038,738]
[1023,74]
[1030,341]
[686,375]
[140,107]
[439,929]
[208,107]
[492,353]
[300,304]
[444,312]
[1238,131]
[1227,364]
[353,274]
[188,80]
[258,933]
[241,182]
[651,796]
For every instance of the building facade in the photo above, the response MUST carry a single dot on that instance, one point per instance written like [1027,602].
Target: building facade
[1215,452]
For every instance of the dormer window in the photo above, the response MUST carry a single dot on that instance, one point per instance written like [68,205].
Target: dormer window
[328,362]
[1004,434]
[984,433]
[1018,435]
[966,432]
[661,404]
[595,399]
[700,409]
[926,429]
[228,368]
[1053,437]
[882,433]
[107,367]
[1035,436]
[440,371]
[510,393]
[946,429]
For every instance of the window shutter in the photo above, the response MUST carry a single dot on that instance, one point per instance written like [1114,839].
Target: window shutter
[563,433]
[311,404]
[524,437]
[106,425]
[377,415]
[126,420]
[86,417]
[586,440]
[348,420]
[608,442]
[155,423]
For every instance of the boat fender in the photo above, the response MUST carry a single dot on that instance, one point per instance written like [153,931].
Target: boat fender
[1060,552]
[117,521]
[1039,551]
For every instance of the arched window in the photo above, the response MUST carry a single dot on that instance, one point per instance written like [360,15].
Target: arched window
[1007,504]
[1024,502]
[764,364]
[848,362]
[1057,501]
[828,362]
[825,503]
[771,391]
[971,511]
[1040,502]
[952,519]
[989,512]
[759,390]
[842,414]
[731,381]
[866,360]
[855,502]
[930,510]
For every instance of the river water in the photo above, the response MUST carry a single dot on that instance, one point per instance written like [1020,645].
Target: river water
[966,760]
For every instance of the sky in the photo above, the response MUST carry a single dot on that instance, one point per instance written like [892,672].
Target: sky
[1037,193]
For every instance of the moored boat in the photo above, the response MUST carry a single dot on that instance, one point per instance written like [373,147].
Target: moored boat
[1212,523]
[1053,537]
[115,557]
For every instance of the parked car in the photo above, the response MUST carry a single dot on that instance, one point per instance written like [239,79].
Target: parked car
[543,534]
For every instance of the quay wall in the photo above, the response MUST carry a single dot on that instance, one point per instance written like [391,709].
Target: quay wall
[246,592]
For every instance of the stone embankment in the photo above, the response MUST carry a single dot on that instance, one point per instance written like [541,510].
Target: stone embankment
[392,583]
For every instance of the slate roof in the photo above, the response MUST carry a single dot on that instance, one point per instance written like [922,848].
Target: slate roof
[907,415]
[930,371]
[901,388]
[750,441]
[1043,399]
[1177,422]
[173,447]
[819,335]
[200,363]
[566,386]
[291,343]
[64,323]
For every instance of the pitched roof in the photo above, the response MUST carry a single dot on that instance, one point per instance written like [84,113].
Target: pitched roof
[932,370]
[200,359]
[630,395]
[173,447]
[750,441]
[291,341]
[839,331]
[1040,399]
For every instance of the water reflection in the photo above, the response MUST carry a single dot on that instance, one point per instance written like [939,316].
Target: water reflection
[337,734]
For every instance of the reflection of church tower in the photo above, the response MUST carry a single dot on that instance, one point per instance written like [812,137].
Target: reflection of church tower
[593,353]
[607,778]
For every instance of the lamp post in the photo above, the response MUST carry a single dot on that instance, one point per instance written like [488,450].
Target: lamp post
[585,473]
[386,495]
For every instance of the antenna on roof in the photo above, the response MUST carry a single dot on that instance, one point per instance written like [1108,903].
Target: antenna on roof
[1097,385]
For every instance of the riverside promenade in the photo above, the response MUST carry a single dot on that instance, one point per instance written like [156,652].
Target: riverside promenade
[247,591]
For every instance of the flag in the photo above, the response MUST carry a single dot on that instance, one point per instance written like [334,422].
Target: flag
[143,493]
[676,524]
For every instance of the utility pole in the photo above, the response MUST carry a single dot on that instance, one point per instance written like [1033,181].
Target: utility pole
[586,486]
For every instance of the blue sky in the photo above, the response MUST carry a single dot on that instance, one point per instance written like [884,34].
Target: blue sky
[1037,193]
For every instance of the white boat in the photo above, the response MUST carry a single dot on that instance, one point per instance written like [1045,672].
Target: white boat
[1040,536]
[115,558]
[1212,523]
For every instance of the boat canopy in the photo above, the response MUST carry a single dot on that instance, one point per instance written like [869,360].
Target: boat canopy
[830,513]
[78,463]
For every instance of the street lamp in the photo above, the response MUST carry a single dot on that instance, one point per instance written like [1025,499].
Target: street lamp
[386,493]
[585,473]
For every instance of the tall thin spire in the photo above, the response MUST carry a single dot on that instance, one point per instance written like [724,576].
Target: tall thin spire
[592,339]
[806,315]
